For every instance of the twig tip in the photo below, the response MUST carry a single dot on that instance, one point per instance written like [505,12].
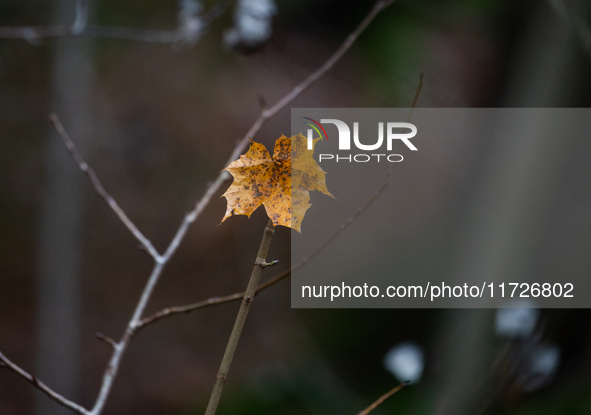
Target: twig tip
[106,339]
[262,101]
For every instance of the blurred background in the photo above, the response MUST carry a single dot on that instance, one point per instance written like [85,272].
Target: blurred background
[157,121]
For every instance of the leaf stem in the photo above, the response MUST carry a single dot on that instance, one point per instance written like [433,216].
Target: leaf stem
[383,398]
[249,294]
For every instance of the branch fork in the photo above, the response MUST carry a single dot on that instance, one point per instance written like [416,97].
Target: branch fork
[160,260]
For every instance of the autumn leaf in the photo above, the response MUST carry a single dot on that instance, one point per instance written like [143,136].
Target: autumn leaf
[282,183]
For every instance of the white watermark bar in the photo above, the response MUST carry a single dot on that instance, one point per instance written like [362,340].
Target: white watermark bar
[443,208]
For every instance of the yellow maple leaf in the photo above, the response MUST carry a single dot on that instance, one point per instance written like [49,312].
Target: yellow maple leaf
[281,183]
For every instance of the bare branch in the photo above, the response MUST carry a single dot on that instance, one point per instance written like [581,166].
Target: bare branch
[416,98]
[119,348]
[171,311]
[376,9]
[262,101]
[98,187]
[249,295]
[382,399]
[266,115]
[34,34]
[37,33]
[6,363]
[106,339]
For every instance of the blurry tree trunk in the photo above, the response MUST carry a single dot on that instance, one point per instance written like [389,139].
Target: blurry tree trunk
[62,219]
[506,211]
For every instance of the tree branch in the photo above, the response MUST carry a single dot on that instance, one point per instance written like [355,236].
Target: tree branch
[247,300]
[106,339]
[98,187]
[7,364]
[35,34]
[171,311]
[383,399]
[269,113]
[119,348]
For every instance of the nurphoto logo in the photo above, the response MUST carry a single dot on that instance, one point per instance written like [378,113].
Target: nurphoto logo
[402,131]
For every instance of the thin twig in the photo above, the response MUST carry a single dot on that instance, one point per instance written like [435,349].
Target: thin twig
[416,98]
[247,300]
[37,33]
[6,363]
[119,348]
[383,398]
[34,34]
[282,103]
[98,187]
[171,311]
[159,263]
[106,339]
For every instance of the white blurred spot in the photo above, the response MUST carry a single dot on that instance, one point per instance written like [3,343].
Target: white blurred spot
[540,367]
[252,23]
[405,361]
[518,321]
[189,19]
